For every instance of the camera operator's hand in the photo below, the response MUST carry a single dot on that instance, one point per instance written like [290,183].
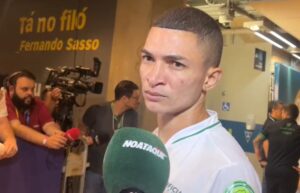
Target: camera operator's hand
[52,98]
[55,94]
[56,141]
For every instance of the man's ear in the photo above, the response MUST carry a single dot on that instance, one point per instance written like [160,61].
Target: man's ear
[213,75]
[11,89]
[124,98]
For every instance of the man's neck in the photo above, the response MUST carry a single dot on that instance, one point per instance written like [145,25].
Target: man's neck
[118,108]
[170,124]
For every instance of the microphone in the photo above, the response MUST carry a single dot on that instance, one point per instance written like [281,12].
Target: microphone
[73,134]
[135,161]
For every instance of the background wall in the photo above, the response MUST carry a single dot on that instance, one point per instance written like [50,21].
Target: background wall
[243,87]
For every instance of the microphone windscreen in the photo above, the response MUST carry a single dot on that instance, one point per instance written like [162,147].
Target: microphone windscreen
[135,159]
[73,134]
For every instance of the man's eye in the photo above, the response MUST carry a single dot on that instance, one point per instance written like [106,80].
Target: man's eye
[147,58]
[177,65]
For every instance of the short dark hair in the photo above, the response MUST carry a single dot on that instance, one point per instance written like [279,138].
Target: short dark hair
[125,88]
[198,22]
[292,111]
[274,105]
[12,79]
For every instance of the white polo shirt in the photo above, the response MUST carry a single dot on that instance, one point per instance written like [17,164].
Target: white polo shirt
[3,109]
[205,158]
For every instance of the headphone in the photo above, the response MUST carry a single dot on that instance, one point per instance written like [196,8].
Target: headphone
[10,79]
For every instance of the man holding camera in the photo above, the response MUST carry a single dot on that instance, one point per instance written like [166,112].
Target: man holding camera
[38,165]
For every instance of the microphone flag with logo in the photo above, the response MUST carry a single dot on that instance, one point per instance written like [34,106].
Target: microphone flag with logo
[135,161]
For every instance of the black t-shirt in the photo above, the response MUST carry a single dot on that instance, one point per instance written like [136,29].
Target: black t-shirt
[99,121]
[269,121]
[284,144]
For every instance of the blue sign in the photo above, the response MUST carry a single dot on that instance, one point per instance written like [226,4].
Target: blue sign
[225,106]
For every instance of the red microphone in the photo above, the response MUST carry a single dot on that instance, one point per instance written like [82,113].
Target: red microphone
[73,134]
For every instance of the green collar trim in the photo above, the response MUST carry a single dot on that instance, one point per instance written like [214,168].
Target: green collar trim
[209,127]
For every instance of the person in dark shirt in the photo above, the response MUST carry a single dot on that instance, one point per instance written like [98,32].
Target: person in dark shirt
[284,152]
[100,122]
[274,114]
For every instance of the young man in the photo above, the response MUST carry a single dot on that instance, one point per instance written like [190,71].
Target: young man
[284,152]
[37,166]
[9,146]
[180,64]
[101,121]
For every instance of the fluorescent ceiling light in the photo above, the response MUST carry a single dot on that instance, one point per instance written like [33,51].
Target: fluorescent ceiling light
[283,39]
[296,56]
[268,40]
[254,27]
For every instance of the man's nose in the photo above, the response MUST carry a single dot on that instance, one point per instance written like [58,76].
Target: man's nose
[156,75]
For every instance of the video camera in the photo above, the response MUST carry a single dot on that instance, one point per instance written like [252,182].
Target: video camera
[74,81]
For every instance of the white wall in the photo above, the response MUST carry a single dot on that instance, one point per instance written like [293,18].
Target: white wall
[243,86]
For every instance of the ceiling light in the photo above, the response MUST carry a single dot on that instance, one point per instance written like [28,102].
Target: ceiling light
[283,39]
[268,40]
[253,25]
[296,56]
[254,28]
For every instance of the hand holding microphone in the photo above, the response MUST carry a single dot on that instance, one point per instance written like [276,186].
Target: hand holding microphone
[60,139]
[73,134]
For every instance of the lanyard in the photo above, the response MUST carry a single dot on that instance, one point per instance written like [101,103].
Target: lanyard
[26,116]
[117,121]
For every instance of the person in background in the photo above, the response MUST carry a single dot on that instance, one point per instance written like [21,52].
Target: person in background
[101,121]
[9,147]
[38,165]
[284,152]
[274,114]
[179,66]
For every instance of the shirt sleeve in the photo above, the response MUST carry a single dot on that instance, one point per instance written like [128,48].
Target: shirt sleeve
[11,110]
[44,114]
[236,177]
[266,131]
[89,116]
[3,109]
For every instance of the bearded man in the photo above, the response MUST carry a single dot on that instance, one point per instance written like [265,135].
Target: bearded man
[37,166]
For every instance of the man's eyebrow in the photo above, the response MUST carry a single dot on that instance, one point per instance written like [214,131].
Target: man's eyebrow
[144,51]
[168,57]
[174,57]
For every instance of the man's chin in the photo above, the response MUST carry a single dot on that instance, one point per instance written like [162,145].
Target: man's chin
[153,107]
[28,102]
